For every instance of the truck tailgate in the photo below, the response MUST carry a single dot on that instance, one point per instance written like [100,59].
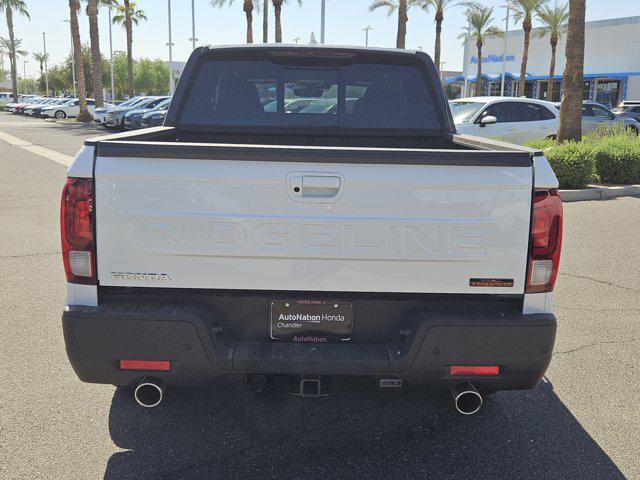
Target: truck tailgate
[312,226]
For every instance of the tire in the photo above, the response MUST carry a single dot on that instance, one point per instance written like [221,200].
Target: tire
[60,115]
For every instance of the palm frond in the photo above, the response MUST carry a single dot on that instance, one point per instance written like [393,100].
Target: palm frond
[554,19]
[19,6]
[390,5]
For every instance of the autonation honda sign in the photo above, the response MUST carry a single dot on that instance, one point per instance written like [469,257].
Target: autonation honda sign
[493,59]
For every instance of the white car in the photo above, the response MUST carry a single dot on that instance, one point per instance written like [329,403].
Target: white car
[70,109]
[35,108]
[100,114]
[513,120]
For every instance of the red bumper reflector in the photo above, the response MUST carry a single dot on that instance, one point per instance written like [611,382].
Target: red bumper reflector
[160,365]
[467,370]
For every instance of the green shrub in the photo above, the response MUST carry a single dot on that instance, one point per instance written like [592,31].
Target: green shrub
[574,164]
[541,144]
[618,159]
[607,130]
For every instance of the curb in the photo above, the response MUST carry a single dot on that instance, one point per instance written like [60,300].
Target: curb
[600,193]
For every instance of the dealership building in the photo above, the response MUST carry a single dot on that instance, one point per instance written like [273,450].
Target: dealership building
[611,63]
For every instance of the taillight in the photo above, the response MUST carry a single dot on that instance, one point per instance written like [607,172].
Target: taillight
[545,241]
[76,231]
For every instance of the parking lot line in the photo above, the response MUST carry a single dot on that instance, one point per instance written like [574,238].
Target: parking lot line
[57,157]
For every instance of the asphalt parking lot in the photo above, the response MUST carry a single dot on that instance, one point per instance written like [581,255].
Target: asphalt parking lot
[581,422]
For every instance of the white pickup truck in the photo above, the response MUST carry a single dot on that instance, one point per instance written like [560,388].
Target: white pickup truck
[355,234]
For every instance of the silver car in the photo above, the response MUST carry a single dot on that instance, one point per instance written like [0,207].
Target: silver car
[595,114]
[628,109]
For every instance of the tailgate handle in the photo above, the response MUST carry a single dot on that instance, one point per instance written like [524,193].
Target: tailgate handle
[320,186]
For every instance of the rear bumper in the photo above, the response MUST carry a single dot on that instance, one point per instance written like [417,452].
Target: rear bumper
[421,352]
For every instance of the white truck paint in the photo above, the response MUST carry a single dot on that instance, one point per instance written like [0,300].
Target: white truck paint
[195,250]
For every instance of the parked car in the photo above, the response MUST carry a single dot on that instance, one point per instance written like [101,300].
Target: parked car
[595,114]
[154,118]
[377,243]
[628,110]
[70,109]
[115,116]
[21,99]
[20,109]
[22,103]
[100,114]
[35,110]
[133,118]
[5,97]
[513,120]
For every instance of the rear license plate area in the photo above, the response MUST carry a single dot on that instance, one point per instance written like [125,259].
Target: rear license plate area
[311,321]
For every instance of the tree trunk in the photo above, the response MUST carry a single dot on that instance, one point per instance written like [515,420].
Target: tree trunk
[248,11]
[129,28]
[402,24]
[526,25]
[96,58]
[552,68]
[12,54]
[277,9]
[479,78]
[436,56]
[265,22]
[571,111]
[84,115]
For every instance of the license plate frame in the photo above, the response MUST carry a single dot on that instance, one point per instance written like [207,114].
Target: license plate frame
[311,321]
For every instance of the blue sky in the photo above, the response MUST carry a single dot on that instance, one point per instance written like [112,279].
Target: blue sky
[345,20]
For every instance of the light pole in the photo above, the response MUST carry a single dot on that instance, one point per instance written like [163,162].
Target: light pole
[322,20]
[46,70]
[171,81]
[193,25]
[366,31]
[73,61]
[504,55]
[465,68]
[113,89]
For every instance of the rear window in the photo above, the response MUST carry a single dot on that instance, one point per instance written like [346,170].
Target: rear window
[262,93]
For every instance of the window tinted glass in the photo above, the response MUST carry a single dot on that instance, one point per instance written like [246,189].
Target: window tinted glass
[600,112]
[463,111]
[502,111]
[261,93]
[635,109]
[587,111]
[527,112]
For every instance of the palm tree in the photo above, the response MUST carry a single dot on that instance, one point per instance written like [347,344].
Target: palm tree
[41,58]
[403,7]
[554,23]
[248,7]
[84,115]
[8,6]
[96,57]
[128,15]
[277,8]
[5,44]
[479,26]
[525,11]
[440,6]
[570,127]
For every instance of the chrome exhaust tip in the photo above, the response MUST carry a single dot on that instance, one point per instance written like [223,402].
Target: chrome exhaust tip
[149,392]
[466,398]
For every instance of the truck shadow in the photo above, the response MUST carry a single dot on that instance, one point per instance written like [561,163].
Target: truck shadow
[228,432]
